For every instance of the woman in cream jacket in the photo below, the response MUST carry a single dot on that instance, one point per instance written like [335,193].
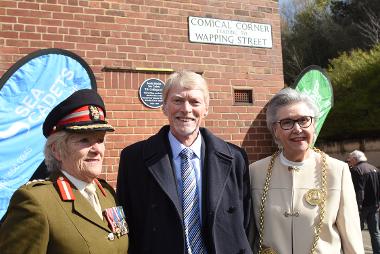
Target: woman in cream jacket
[304,200]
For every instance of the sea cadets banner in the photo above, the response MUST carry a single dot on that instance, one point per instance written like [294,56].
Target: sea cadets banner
[28,91]
[314,81]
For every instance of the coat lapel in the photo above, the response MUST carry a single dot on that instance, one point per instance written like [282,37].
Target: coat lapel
[78,203]
[105,201]
[84,209]
[216,169]
[157,158]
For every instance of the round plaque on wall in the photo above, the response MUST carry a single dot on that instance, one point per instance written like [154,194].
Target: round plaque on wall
[150,92]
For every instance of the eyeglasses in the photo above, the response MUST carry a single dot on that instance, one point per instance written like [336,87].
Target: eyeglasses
[303,122]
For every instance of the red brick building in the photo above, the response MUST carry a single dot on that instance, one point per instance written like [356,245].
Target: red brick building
[128,41]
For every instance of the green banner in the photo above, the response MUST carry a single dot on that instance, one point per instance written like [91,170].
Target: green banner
[314,82]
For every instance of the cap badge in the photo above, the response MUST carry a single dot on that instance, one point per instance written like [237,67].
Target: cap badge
[94,113]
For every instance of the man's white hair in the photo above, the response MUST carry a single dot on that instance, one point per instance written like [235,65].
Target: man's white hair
[358,155]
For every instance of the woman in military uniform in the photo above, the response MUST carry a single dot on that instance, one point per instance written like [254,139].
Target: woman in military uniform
[304,200]
[72,211]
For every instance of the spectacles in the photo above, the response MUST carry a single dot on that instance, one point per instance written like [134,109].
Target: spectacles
[303,122]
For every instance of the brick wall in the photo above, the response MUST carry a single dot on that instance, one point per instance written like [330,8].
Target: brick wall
[125,34]
[341,149]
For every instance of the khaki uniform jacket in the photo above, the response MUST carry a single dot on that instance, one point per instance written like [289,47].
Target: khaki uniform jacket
[289,220]
[39,221]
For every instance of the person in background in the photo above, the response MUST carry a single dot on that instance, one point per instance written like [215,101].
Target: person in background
[304,200]
[185,190]
[367,186]
[73,211]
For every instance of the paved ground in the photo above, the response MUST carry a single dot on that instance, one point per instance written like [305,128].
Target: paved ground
[367,242]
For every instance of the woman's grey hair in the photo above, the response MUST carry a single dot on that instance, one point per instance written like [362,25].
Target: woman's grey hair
[358,156]
[285,97]
[186,79]
[59,140]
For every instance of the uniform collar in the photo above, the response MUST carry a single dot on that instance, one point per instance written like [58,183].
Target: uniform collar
[79,184]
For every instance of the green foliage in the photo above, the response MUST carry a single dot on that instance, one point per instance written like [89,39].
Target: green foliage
[311,39]
[353,11]
[355,78]
[322,33]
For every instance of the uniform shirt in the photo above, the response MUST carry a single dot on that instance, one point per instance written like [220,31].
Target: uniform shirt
[79,184]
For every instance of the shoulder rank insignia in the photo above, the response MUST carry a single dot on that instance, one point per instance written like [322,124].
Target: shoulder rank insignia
[36,181]
[65,189]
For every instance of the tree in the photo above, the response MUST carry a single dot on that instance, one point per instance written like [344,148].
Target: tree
[360,18]
[355,77]
[312,37]
[322,29]
[371,28]
[341,36]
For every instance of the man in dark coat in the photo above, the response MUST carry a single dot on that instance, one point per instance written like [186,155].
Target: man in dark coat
[367,187]
[151,188]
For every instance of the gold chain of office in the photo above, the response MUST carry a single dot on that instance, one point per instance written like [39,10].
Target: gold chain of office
[321,204]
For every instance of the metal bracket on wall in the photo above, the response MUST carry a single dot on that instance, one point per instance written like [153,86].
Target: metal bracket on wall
[142,70]
[135,70]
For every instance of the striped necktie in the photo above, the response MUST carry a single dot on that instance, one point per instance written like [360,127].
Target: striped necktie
[190,205]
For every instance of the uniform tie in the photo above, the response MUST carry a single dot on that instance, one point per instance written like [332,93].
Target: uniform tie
[190,205]
[93,199]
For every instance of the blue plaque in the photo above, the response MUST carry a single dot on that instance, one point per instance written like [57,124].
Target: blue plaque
[150,92]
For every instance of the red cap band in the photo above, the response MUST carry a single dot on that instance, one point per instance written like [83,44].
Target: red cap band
[82,114]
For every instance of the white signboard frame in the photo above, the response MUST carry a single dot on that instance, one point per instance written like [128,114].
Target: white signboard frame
[229,32]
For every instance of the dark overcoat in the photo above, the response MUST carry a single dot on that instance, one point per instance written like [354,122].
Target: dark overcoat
[39,221]
[367,184]
[148,192]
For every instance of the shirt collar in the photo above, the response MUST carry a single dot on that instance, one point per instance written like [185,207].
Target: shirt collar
[284,161]
[79,184]
[177,146]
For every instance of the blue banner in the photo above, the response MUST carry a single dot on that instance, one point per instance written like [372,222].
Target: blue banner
[28,92]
